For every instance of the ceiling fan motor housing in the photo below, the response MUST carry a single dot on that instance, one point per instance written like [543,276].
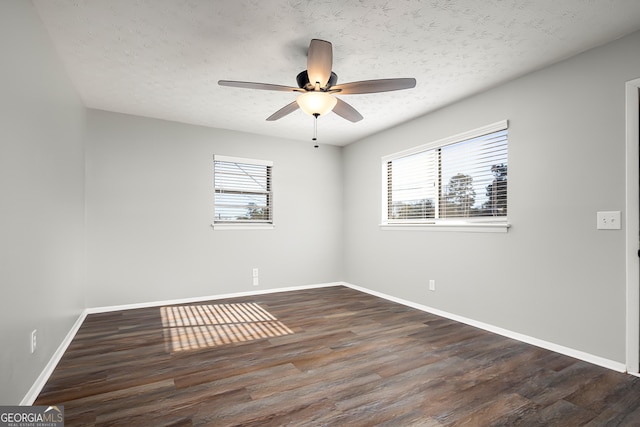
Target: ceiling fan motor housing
[304,83]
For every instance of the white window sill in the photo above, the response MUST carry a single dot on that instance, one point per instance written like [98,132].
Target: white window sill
[242,226]
[502,227]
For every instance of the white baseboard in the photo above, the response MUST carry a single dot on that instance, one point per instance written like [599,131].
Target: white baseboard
[42,379]
[577,354]
[107,309]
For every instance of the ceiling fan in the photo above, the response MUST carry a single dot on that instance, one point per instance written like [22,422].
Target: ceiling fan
[317,85]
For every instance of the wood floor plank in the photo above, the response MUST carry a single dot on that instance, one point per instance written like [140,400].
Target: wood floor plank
[323,357]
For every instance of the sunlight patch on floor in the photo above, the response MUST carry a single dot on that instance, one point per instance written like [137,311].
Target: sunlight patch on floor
[192,327]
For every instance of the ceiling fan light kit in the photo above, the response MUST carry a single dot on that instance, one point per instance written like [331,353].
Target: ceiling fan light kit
[318,83]
[319,103]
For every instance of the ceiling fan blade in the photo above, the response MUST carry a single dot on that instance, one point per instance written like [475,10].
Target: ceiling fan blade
[346,111]
[319,62]
[373,86]
[287,109]
[261,86]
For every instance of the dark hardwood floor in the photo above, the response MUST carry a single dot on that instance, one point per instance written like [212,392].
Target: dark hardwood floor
[328,356]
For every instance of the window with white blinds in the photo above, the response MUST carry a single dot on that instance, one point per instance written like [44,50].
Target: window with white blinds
[462,178]
[243,193]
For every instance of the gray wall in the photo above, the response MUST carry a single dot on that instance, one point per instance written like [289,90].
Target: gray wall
[149,213]
[553,276]
[42,208]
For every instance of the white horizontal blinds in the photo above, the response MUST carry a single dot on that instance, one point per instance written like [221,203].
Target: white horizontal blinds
[474,177]
[464,176]
[242,190]
[412,187]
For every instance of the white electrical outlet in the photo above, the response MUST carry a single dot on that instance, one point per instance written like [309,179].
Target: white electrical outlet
[34,342]
[608,220]
[256,280]
[432,285]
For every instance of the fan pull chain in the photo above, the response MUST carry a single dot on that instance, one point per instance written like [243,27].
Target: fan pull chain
[315,129]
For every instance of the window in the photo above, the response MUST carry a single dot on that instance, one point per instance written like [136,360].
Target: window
[458,181]
[243,193]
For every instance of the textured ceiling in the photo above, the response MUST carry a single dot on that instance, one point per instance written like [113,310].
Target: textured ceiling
[163,58]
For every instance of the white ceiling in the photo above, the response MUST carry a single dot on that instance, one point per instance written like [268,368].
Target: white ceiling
[163,58]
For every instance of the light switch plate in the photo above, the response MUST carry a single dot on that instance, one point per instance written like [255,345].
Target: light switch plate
[609,220]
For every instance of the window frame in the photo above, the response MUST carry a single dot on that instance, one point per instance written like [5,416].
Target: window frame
[471,224]
[243,225]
